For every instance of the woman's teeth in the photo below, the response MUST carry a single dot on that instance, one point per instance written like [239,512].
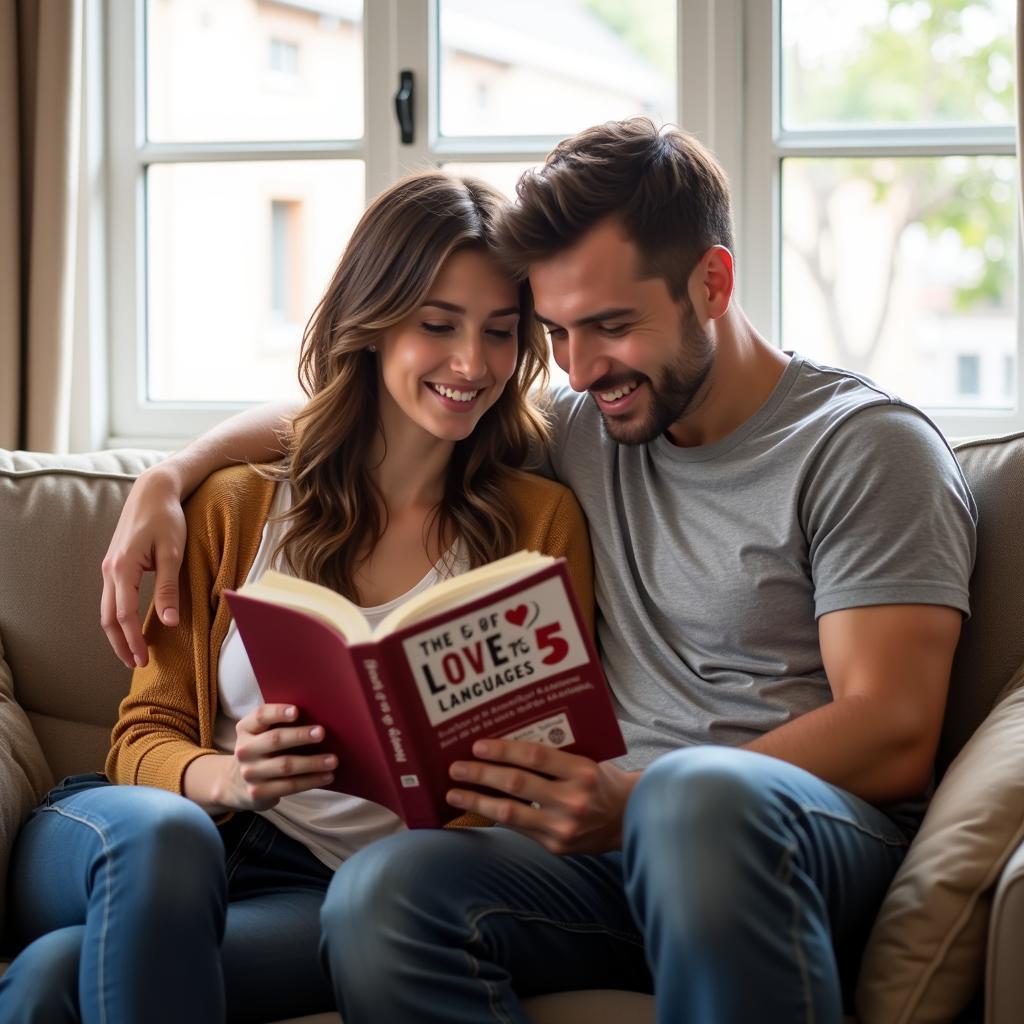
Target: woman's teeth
[458,396]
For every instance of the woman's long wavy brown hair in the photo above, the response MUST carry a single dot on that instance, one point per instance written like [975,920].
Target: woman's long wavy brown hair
[338,514]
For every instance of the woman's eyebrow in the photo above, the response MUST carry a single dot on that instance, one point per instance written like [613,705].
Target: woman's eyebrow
[452,308]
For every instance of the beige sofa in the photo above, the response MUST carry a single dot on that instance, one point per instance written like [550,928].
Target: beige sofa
[61,684]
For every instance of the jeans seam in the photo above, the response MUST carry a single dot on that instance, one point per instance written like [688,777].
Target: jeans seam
[233,862]
[474,919]
[844,820]
[784,872]
[83,820]
[633,938]
[492,990]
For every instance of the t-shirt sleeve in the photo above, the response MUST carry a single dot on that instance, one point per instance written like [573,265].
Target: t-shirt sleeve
[562,406]
[888,516]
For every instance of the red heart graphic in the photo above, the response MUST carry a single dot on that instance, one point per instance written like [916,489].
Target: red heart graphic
[517,615]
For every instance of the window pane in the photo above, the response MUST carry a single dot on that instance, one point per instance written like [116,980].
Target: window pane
[892,61]
[254,70]
[503,176]
[552,67]
[904,269]
[238,257]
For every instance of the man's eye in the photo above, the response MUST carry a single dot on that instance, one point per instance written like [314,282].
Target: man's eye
[555,333]
[436,328]
[614,330]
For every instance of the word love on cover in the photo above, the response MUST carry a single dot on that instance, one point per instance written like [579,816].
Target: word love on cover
[496,650]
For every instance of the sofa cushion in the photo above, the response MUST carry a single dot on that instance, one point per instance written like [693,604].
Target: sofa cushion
[991,643]
[57,513]
[24,773]
[925,957]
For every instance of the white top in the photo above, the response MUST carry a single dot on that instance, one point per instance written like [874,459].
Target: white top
[331,825]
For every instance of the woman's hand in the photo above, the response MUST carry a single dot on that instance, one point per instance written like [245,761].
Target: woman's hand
[150,535]
[567,803]
[264,767]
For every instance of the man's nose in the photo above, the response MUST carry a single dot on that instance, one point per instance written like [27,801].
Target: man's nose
[584,362]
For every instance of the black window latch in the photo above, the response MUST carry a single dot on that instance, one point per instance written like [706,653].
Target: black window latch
[403,106]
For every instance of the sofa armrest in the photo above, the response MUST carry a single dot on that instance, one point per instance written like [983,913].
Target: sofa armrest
[1004,981]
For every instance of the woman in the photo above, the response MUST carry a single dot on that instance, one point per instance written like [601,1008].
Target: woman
[400,470]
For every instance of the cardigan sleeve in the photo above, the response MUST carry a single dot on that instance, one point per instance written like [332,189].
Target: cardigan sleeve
[166,721]
[552,522]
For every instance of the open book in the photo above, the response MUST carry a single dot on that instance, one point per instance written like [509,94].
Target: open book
[498,651]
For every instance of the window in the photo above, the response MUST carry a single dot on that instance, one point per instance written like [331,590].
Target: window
[284,56]
[246,137]
[968,375]
[888,178]
[286,261]
[230,198]
[870,147]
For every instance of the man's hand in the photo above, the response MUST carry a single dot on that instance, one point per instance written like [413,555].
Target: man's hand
[150,535]
[567,803]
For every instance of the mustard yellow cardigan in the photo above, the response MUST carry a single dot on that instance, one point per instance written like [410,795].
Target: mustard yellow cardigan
[167,719]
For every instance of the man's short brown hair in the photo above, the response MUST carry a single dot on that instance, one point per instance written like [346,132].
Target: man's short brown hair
[666,189]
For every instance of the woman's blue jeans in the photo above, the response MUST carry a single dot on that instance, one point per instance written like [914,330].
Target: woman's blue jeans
[136,908]
[745,890]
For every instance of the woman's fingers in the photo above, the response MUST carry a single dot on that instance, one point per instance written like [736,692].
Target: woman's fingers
[269,754]
[264,795]
[287,766]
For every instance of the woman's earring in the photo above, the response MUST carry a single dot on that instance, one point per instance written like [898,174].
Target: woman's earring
[373,348]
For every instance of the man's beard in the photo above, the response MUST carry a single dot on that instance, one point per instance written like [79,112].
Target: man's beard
[673,393]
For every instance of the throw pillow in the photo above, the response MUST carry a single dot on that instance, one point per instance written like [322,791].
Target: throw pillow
[24,773]
[924,959]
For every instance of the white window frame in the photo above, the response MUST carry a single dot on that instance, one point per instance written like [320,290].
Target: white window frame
[728,95]
[397,35]
[768,144]
[133,420]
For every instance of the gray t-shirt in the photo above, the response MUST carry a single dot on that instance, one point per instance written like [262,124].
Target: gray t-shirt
[713,563]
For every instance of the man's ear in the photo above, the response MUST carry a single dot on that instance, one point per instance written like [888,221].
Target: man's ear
[712,283]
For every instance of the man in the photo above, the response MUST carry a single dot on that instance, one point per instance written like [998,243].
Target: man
[782,553]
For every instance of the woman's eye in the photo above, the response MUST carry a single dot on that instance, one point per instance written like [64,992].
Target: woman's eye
[437,328]
[500,335]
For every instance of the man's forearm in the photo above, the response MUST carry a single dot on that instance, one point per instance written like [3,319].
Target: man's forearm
[253,435]
[857,743]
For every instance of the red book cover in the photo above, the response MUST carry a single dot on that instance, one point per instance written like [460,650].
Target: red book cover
[517,662]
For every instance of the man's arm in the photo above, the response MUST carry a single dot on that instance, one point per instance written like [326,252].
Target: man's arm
[150,534]
[888,667]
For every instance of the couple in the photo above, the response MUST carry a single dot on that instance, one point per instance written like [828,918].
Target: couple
[782,553]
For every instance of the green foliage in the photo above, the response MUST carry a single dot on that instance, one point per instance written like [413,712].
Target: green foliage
[920,64]
[648,26]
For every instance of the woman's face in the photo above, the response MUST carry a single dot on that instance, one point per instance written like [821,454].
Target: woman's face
[447,362]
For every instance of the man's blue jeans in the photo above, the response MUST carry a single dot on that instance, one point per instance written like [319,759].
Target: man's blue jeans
[744,883]
[135,907]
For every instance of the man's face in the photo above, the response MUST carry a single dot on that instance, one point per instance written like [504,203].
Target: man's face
[642,355]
